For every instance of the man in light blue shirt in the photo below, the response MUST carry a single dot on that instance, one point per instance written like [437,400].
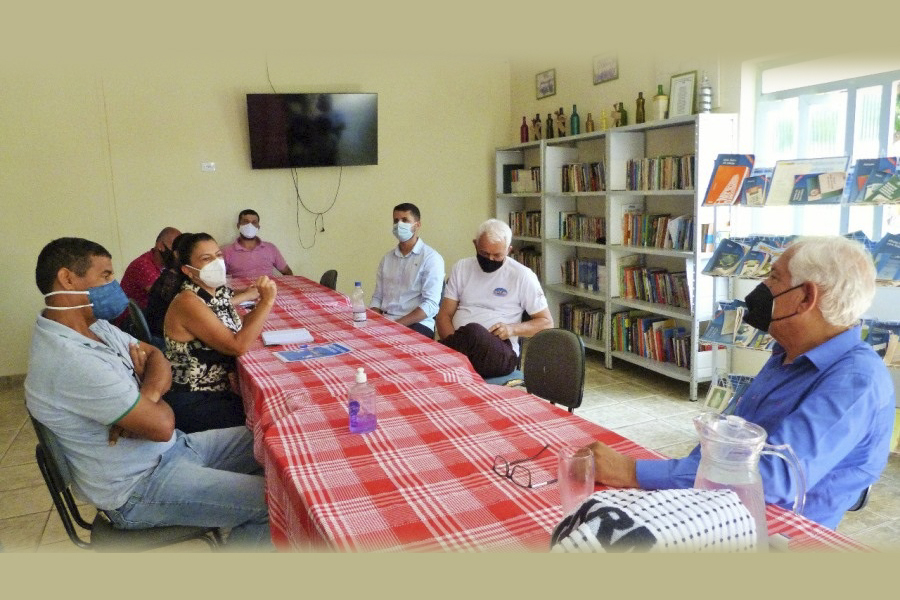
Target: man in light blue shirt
[410,277]
[824,392]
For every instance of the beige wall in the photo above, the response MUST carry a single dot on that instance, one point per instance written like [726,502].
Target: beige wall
[113,155]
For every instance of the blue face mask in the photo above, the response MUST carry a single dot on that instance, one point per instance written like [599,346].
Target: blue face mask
[108,301]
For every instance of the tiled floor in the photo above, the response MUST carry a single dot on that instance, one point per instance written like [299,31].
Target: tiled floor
[654,411]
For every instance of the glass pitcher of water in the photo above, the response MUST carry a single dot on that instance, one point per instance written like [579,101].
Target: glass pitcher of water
[730,448]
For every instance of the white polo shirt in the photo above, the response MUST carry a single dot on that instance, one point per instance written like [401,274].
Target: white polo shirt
[491,298]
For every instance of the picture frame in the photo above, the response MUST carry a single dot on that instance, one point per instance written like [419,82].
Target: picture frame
[545,83]
[606,68]
[683,94]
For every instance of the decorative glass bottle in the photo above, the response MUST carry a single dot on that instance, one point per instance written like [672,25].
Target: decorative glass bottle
[639,109]
[660,103]
[589,123]
[536,126]
[561,123]
[551,125]
[523,131]
[575,121]
[623,114]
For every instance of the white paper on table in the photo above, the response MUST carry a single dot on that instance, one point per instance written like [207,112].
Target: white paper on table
[286,336]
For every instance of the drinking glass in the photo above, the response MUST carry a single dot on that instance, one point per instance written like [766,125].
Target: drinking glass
[576,476]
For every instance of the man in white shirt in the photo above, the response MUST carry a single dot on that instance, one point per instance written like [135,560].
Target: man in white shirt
[481,312]
[409,278]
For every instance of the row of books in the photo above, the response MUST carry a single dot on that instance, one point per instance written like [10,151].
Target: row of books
[658,231]
[655,284]
[577,227]
[583,177]
[589,274]
[525,180]
[581,318]
[735,180]
[662,173]
[530,257]
[650,336]
[525,223]
[727,327]
[752,257]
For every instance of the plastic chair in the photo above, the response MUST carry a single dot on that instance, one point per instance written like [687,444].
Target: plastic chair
[104,537]
[554,367]
[329,279]
[138,322]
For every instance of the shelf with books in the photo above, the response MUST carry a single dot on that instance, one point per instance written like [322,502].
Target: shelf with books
[584,181]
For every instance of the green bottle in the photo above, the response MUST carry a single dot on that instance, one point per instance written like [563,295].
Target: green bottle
[623,113]
[551,125]
[575,121]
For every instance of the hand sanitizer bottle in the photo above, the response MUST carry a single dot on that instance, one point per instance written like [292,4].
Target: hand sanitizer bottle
[361,405]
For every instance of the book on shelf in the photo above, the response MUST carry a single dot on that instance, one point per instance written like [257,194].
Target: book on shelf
[720,328]
[879,335]
[528,256]
[508,176]
[756,187]
[579,227]
[726,258]
[525,223]
[525,181]
[821,188]
[588,274]
[729,172]
[857,186]
[887,192]
[785,176]
[680,233]
[887,259]
[583,177]
[660,173]
[582,318]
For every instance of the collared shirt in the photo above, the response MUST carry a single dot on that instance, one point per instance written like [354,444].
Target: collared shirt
[404,283]
[139,276]
[78,387]
[243,262]
[834,405]
[498,297]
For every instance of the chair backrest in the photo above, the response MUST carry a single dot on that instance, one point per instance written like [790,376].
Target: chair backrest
[329,279]
[553,366]
[55,470]
[862,501]
[139,327]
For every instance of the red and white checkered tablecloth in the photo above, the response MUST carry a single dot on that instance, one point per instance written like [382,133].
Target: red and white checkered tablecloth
[422,481]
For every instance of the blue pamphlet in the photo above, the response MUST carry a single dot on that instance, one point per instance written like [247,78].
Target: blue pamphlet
[312,352]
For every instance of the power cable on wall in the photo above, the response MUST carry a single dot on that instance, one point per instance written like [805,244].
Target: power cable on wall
[319,220]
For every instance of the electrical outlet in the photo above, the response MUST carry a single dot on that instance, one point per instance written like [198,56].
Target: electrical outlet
[208,166]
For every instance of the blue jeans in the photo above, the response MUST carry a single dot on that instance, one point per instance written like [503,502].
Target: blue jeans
[209,478]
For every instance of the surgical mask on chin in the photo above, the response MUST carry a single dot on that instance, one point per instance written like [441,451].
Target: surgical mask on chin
[213,273]
[760,304]
[248,230]
[107,301]
[403,231]
[487,265]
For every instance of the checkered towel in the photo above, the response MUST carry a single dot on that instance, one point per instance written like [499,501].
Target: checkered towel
[631,520]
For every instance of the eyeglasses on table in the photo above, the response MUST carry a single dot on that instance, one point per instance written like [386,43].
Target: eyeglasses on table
[518,473]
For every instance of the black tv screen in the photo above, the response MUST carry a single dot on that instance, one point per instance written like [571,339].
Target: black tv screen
[312,130]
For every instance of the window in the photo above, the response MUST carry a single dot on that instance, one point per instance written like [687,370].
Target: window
[825,108]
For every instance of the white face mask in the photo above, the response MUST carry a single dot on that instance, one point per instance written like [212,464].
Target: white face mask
[403,231]
[213,274]
[248,230]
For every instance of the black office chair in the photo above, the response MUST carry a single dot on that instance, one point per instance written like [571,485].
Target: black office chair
[862,501]
[329,279]
[103,536]
[553,366]
[138,322]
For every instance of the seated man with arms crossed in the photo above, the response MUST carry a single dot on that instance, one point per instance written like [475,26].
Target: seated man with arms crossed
[481,313]
[248,255]
[99,392]
[409,278]
[823,391]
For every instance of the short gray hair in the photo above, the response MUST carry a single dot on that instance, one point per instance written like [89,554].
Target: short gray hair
[495,230]
[842,269]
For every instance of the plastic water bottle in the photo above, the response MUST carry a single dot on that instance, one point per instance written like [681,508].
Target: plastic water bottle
[358,302]
[361,405]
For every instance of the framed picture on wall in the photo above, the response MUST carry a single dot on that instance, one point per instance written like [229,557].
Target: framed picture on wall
[545,83]
[682,94]
[606,68]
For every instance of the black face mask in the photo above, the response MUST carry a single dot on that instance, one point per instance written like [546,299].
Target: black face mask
[487,265]
[760,304]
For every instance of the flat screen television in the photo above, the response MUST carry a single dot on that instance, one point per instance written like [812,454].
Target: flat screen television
[312,130]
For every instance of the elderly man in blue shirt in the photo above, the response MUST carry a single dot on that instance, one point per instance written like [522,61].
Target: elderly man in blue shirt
[410,277]
[823,391]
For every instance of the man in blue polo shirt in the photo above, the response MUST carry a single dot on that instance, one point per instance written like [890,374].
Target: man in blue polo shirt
[99,392]
[823,391]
